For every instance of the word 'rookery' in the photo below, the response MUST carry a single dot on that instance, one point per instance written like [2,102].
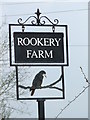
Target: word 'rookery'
[38,41]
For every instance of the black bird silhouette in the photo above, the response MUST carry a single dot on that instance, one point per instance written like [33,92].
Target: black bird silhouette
[37,81]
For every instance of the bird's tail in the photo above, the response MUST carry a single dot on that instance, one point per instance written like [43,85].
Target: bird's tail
[32,92]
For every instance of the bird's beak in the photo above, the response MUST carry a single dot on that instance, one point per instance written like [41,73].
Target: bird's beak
[45,75]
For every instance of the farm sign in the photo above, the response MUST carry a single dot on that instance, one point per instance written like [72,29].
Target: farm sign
[38,47]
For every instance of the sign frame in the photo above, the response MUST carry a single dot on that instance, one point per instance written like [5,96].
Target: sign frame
[38,22]
[30,25]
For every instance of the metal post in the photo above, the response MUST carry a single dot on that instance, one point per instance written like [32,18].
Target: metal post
[41,113]
[62,68]
[17,91]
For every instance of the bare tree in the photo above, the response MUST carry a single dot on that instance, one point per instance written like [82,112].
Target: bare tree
[8,80]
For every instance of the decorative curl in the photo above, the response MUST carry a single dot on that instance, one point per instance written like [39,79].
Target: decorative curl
[33,22]
[20,21]
[56,21]
[42,22]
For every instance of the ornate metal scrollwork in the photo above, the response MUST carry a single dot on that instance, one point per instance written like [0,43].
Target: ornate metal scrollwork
[38,20]
[33,22]
[56,21]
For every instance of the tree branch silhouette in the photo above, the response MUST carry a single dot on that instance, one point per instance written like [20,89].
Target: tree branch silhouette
[51,86]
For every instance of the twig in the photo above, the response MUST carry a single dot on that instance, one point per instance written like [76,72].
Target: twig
[84,75]
[19,110]
[85,88]
[72,101]
[42,87]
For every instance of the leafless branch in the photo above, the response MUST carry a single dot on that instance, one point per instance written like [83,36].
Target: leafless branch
[85,88]
[84,75]
[19,110]
[7,79]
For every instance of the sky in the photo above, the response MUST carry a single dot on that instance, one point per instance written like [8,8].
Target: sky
[44,1]
[75,15]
